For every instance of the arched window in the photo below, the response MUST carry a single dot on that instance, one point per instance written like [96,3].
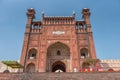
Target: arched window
[32,54]
[58,52]
[84,53]
[30,67]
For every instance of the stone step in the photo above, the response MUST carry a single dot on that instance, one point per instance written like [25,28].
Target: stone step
[61,76]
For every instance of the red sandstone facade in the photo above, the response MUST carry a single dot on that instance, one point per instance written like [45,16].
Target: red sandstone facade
[57,43]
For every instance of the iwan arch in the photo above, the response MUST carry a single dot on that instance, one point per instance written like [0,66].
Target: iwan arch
[57,44]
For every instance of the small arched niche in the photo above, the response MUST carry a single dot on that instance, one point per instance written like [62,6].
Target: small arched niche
[32,53]
[84,53]
[58,52]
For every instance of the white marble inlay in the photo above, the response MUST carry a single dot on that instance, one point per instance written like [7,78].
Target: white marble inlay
[58,32]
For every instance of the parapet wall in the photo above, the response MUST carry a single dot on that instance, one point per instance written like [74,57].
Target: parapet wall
[61,76]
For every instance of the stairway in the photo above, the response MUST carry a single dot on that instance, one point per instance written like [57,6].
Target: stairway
[61,76]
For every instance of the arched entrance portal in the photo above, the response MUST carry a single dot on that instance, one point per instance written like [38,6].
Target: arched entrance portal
[58,67]
[58,58]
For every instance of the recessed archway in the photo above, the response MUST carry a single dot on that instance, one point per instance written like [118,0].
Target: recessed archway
[55,53]
[30,67]
[58,66]
[84,53]
[32,53]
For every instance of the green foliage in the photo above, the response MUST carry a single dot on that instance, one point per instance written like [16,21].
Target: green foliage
[85,64]
[13,64]
[90,62]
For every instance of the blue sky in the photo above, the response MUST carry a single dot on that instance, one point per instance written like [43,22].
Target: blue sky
[105,21]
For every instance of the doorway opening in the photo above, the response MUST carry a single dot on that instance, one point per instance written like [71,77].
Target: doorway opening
[58,66]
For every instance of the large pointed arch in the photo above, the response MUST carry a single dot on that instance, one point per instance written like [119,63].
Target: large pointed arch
[57,52]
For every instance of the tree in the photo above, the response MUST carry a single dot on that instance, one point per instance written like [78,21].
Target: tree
[90,63]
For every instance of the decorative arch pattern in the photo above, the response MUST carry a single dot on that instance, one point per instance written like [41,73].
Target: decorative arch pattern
[58,48]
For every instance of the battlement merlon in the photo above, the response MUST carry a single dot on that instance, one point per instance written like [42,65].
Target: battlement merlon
[58,19]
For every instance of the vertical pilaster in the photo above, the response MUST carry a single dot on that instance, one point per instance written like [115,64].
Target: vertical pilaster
[74,51]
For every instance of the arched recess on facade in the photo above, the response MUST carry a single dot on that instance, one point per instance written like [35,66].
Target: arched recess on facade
[32,53]
[6,71]
[58,66]
[57,52]
[36,25]
[84,53]
[30,67]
